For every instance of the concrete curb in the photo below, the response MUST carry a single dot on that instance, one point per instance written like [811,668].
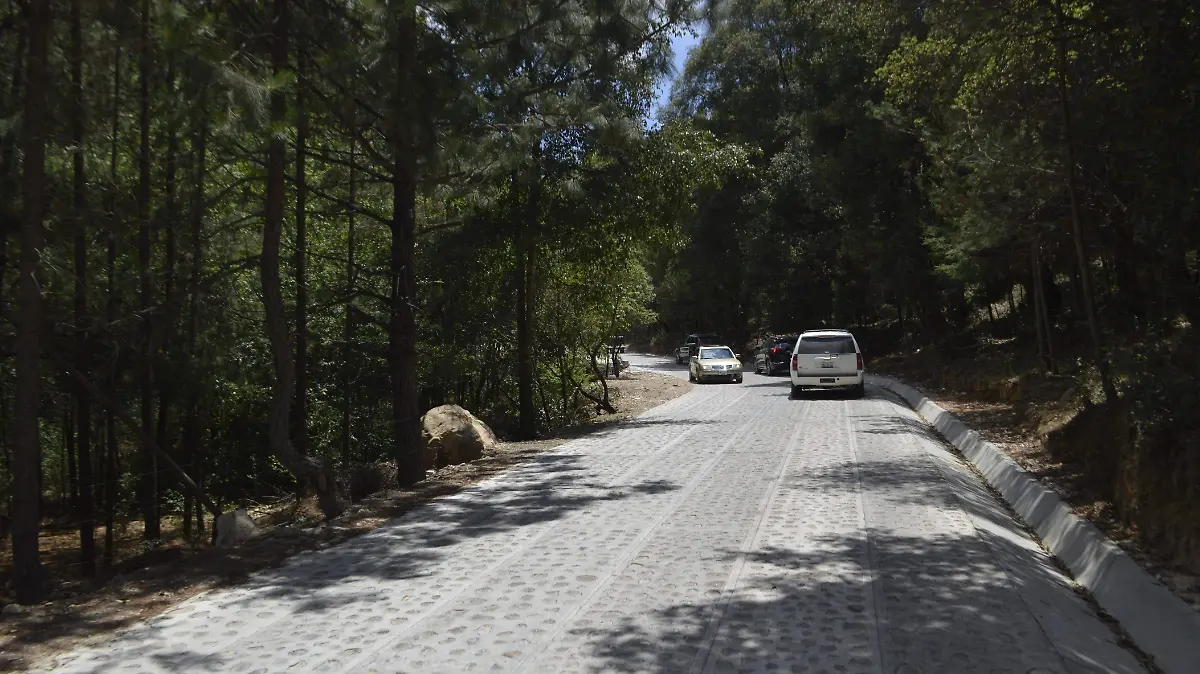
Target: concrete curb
[1159,622]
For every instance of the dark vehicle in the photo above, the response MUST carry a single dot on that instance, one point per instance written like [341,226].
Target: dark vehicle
[772,356]
[684,353]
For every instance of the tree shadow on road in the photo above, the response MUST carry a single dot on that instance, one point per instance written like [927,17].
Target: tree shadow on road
[313,588]
[895,425]
[549,488]
[927,602]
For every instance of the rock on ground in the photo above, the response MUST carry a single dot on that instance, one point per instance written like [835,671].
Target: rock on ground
[452,435]
[235,528]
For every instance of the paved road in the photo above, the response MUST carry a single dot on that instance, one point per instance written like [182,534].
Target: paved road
[731,530]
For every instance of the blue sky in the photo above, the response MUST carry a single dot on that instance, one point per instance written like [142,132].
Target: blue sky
[680,46]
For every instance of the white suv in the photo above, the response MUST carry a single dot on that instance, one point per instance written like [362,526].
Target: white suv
[827,359]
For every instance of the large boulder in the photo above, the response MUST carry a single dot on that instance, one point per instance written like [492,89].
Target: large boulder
[234,528]
[453,435]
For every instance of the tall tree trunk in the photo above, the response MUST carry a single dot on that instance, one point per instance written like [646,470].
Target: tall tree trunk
[1042,325]
[348,327]
[301,262]
[191,433]
[110,314]
[306,469]
[8,153]
[27,565]
[149,462]
[70,496]
[402,328]
[1081,257]
[164,330]
[83,404]
[111,497]
[526,310]
[9,224]
[527,421]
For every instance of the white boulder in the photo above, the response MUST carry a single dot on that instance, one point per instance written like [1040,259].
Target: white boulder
[235,528]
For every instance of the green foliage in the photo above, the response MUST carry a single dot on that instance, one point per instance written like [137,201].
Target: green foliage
[500,105]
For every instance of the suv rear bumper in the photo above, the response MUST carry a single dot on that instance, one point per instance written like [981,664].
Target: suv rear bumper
[836,381]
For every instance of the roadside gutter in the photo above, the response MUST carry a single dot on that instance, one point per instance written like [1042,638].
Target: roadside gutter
[1161,623]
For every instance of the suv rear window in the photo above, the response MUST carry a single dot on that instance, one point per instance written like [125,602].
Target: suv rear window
[706,340]
[825,344]
[789,342]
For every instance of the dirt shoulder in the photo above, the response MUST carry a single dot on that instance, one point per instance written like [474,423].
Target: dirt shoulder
[80,614]
[1014,412]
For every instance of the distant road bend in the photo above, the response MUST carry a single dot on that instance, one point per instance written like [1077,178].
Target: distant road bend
[730,530]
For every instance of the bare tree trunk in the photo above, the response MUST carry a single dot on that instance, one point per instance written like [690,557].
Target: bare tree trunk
[149,462]
[1038,301]
[83,404]
[306,469]
[8,155]
[1081,258]
[70,492]
[526,312]
[348,327]
[27,565]
[526,426]
[111,470]
[191,433]
[301,261]
[402,328]
[165,328]
[110,425]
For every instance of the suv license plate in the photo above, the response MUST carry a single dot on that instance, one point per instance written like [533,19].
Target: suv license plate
[828,380]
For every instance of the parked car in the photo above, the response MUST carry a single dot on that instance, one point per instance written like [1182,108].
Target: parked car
[827,359]
[773,354]
[685,352]
[713,363]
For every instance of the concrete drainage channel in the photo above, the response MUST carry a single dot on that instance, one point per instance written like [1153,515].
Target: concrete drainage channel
[1160,623]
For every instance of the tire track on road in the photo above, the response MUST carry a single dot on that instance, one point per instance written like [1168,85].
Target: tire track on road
[705,656]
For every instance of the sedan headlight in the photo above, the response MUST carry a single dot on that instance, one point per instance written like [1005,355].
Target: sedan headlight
[706,367]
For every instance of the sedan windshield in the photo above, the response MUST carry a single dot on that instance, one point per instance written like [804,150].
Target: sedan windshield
[723,352]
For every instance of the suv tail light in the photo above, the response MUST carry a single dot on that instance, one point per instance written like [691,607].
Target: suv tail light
[860,362]
[795,362]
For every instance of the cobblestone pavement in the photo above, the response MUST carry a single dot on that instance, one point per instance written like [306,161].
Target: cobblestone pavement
[730,530]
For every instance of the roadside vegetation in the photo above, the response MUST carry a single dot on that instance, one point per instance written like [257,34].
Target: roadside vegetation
[245,245]
[1002,194]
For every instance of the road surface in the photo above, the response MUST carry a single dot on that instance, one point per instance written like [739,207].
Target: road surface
[730,530]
